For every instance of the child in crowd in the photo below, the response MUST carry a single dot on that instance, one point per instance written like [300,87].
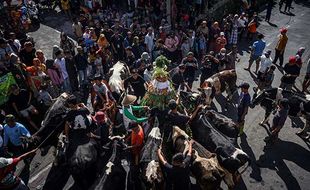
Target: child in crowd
[98,64]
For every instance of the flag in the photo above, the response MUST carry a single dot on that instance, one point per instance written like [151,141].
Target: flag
[5,82]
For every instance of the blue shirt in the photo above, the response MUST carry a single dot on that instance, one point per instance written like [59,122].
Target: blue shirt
[14,133]
[258,47]
[244,102]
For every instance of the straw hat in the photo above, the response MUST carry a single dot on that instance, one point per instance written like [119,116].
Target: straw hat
[129,99]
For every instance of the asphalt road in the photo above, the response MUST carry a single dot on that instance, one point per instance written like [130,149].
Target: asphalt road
[285,165]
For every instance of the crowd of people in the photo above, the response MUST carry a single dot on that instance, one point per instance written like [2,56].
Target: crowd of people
[197,49]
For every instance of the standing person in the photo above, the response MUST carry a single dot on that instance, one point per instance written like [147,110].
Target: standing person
[221,42]
[269,77]
[232,58]
[242,23]
[280,48]
[149,40]
[265,63]
[292,71]
[13,131]
[178,172]
[66,44]
[223,59]
[278,121]
[208,63]
[172,42]
[7,167]
[136,141]
[191,65]
[27,54]
[65,5]
[269,9]
[77,28]
[136,83]
[81,65]
[102,93]
[256,51]
[117,45]
[177,77]
[243,105]
[306,83]
[252,27]
[60,63]
[234,31]
[72,72]
[288,5]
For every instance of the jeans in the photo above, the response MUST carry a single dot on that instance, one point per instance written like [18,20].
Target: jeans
[82,74]
[65,87]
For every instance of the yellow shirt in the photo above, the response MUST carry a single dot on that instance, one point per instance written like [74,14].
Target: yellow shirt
[282,42]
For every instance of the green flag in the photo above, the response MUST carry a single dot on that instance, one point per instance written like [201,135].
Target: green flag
[5,82]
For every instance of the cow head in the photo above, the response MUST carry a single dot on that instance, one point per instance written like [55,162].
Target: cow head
[190,100]
[207,171]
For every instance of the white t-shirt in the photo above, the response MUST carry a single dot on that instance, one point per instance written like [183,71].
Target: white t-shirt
[61,63]
[149,41]
[265,63]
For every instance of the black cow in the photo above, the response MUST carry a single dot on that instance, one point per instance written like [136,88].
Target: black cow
[205,166]
[268,99]
[230,157]
[115,174]
[52,125]
[224,124]
[151,172]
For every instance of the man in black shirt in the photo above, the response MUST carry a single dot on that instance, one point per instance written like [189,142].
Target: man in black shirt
[130,57]
[20,100]
[178,172]
[292,71]
[27,54]
[209,67]
[136,83]
[118,45]
[177,77]
[191,66]
[81,64]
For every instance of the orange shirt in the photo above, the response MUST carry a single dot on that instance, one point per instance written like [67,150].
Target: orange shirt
[137,140]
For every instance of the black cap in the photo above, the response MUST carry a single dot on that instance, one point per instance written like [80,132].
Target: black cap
[172,104]
[178,157]
[245,85]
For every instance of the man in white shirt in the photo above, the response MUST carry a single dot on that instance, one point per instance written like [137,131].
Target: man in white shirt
[265,63]
[149,40]
[242,22]
[60,63]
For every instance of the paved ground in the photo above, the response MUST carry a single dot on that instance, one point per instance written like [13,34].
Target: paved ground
[284,166]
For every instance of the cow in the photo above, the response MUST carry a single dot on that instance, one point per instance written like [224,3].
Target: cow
[118,73]
[299,104]
[116,170]
[205,166]
[52,125]
[230,157]
[149,163]
[218,83]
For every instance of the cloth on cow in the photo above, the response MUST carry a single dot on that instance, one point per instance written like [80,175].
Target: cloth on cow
[128,115]
[79,121]
[179,175]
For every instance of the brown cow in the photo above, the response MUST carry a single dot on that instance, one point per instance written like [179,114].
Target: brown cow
[205,166]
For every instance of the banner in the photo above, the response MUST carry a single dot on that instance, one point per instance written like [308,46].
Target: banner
[5,82]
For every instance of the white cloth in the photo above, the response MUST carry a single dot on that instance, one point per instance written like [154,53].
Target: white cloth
[61,64]
[265,63]
[161,85]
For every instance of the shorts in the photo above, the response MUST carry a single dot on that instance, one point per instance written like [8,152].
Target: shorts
[26,112]
[254,58]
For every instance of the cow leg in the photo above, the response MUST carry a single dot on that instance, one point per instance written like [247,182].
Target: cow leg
[229,179]
[265,121]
